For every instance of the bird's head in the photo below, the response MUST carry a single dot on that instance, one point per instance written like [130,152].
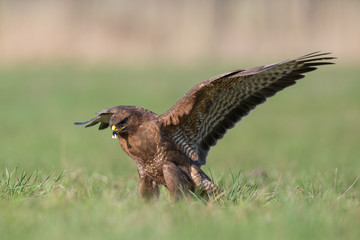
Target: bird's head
[125,121]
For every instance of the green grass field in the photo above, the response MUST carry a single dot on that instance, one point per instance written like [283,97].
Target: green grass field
[290,168]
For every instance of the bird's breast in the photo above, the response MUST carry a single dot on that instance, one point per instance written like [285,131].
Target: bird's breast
[144,144]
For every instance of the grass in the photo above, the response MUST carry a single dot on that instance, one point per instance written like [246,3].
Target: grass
[290,169]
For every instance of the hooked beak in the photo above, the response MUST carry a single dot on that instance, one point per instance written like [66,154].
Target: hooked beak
[115,131]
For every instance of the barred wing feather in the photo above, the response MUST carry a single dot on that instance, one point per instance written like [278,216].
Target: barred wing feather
[202,117]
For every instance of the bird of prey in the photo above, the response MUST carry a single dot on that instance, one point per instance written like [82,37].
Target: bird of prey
[169,149]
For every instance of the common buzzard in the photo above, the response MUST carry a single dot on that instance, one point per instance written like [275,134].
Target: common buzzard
[170,148]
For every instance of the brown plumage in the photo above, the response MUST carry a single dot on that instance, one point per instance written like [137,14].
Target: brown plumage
[170,148]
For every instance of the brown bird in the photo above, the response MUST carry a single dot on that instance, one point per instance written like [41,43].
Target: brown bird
[170,148]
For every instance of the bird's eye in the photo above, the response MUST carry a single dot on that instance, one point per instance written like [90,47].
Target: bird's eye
[122,122]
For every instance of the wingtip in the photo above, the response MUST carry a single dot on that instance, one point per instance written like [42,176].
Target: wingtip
[80,123]
[318,54]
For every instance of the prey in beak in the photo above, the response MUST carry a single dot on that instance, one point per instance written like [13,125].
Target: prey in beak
[116,131]
[119,127]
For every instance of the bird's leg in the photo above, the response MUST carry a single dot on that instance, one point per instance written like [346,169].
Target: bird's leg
[147,188]
[175,180]
[202,181]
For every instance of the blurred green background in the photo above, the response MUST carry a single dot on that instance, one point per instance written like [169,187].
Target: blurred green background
[61,61]
[312,126]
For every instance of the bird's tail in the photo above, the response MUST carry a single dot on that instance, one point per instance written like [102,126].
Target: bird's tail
[202,181]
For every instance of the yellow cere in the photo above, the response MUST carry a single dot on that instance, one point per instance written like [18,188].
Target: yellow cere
[117,129]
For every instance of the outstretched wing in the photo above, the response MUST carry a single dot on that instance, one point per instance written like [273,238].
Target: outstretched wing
[103,118]
[200,118]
